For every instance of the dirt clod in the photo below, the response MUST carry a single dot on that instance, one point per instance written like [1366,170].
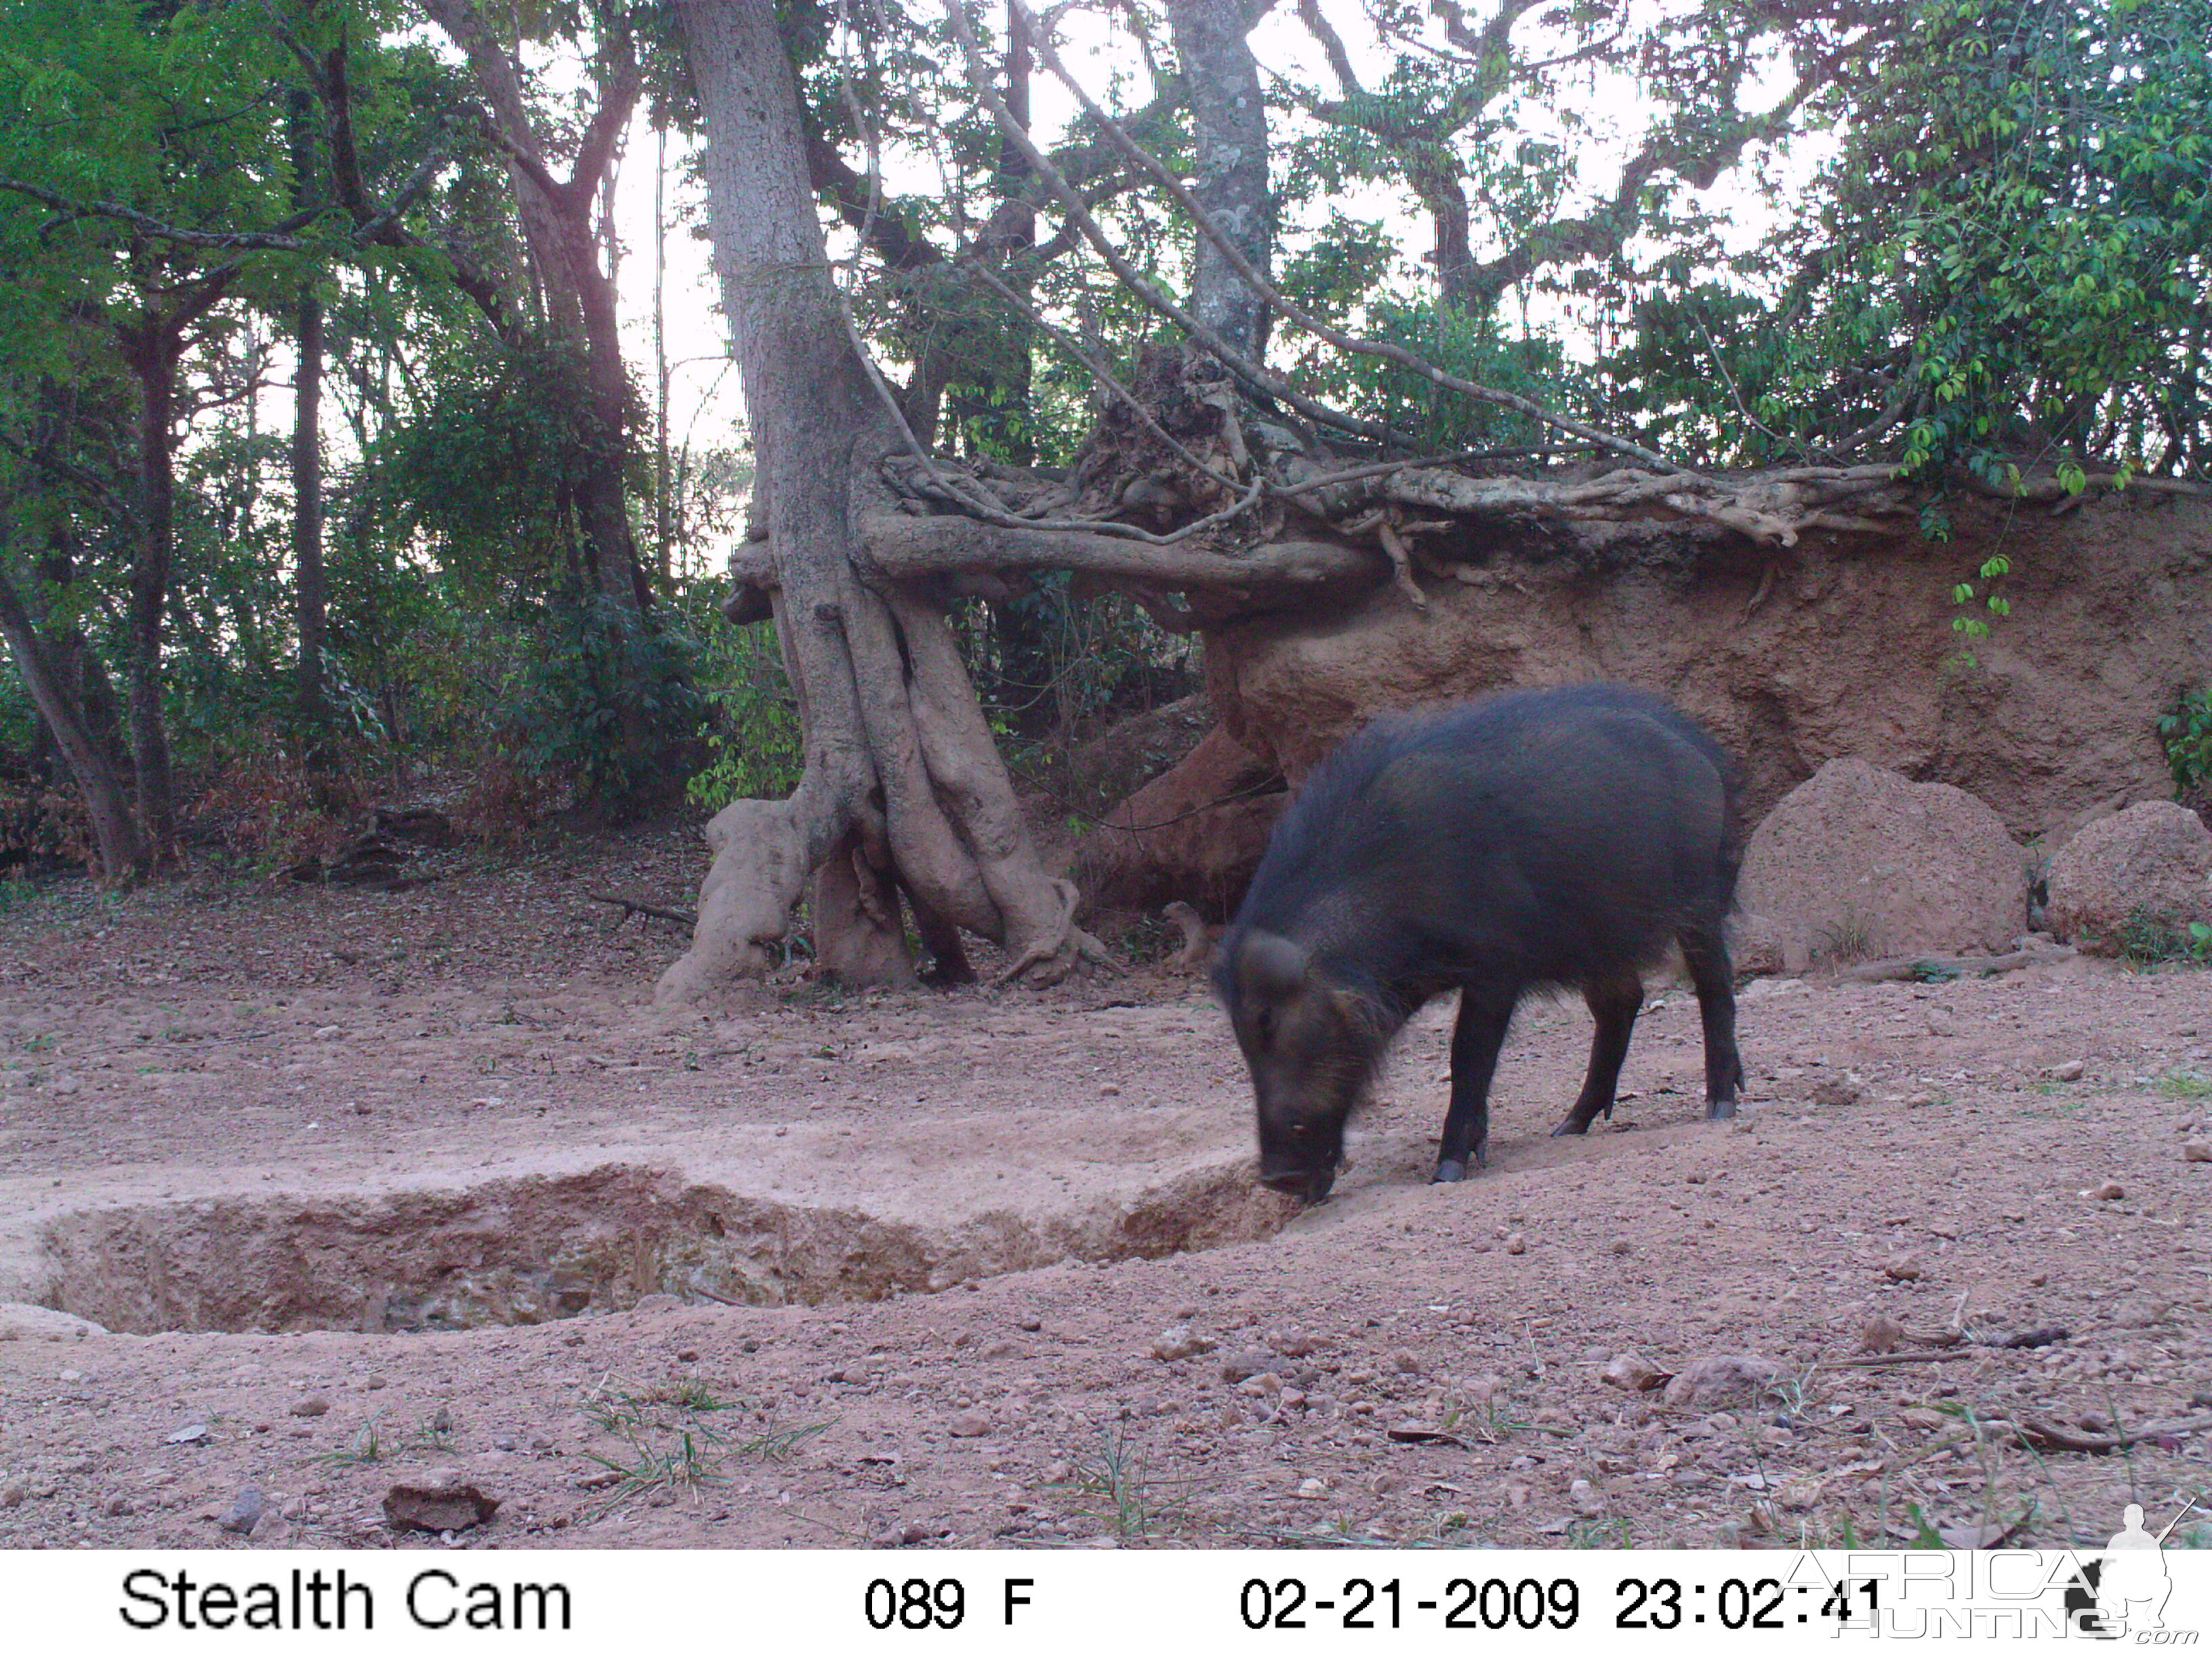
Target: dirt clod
[1633,1373]
[243,1511]
[1881,1334]
[441,1502]
[1719,1379]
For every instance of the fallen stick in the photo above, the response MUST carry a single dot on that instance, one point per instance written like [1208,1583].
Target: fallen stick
[1928,1359]
[2035,1435]
[640,907]
[1955,967]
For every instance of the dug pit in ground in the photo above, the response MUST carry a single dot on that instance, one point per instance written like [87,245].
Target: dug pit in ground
[737,1211]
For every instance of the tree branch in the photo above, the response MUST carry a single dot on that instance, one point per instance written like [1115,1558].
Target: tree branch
[278,241]
[1261,379]
[905,547]
[596,152]
[381,225]
[1384,350]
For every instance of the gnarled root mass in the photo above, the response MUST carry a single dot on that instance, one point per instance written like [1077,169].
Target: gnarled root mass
[919,810]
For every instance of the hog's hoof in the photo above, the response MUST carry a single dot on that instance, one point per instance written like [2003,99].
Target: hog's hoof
[1448,1169]
[1719,1110]
[1571,1127]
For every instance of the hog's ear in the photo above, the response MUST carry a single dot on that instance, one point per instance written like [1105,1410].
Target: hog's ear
[1359,1013]
[1272,965]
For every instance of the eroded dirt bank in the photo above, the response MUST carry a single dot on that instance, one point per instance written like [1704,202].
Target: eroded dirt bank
[902,1266]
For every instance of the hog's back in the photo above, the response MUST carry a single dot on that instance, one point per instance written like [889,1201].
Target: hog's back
[1548,836]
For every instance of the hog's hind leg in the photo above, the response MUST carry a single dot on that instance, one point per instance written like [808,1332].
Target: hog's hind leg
[1706,951]
[1614,1004]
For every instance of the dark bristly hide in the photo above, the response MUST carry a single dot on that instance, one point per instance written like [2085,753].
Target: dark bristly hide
[1536,840]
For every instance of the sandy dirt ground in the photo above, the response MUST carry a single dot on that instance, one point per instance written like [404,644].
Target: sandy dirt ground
[306,1196]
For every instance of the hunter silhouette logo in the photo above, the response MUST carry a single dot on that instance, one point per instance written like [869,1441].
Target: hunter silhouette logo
[2123,1591]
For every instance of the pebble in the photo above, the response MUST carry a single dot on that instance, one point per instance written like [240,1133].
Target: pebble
[1407,1361]
[1903,1268]
[2110,1191]
[1881,1334]
[968,1426]
[314,1405]
[1030,1323]
[1178,1342]
[2067,1072]
[1717,1376]
[13,1493]
[243,1511]
[1238,1366]
[1847,1091]
[1632,1373]
[66,1084]
[2197,1152]
[1313,1488]
[1920,1097]
[2136,1312]
[187,1435]
[1584,1497]
[1290,1342]
[1517,1244]
[1004,1347]
[119,1504]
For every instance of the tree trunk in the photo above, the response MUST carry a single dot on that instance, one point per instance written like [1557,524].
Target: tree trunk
[1434,175]
[124,857]
[580,310]
[1230,120]
[310,591]
[152,348]
[664,534]
[899,754]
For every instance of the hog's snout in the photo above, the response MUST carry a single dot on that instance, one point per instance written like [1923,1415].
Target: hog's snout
[1298,1179]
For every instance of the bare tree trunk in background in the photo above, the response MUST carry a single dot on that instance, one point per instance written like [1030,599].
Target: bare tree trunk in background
[664,529]
[900,767]
[310,591]
[1435,179]
[124,857]
[1230,119]
[566,252]
[152,348]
